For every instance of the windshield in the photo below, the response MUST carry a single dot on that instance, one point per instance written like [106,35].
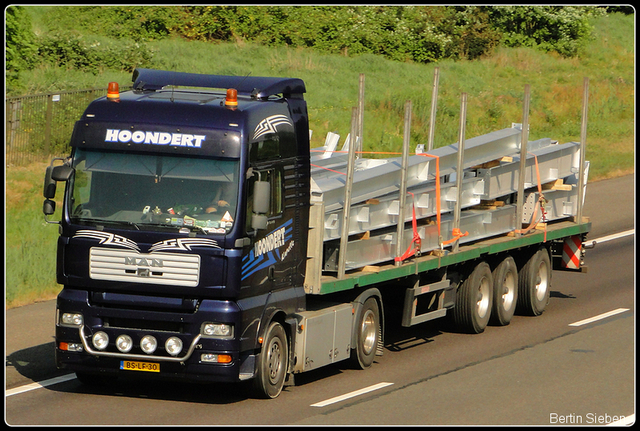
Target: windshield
[146,191]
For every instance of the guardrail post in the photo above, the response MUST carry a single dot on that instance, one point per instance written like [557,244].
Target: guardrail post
[47,126]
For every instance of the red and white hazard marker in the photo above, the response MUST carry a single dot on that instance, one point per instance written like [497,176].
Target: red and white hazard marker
[571,252]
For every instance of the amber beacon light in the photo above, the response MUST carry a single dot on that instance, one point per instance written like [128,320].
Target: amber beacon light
[113,91]
[232,97]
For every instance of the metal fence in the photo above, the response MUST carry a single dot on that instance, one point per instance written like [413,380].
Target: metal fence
[39,127]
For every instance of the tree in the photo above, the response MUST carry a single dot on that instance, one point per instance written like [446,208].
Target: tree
[21,45]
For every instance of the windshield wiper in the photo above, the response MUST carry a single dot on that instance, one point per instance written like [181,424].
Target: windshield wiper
[101,220]
[194,227]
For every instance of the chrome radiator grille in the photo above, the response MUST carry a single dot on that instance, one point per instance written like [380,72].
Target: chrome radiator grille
[157,268]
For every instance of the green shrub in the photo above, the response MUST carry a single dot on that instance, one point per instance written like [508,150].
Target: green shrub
[74,52]
[417,33]
[421,34]
[564,29]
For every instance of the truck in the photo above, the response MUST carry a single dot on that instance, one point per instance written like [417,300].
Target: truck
[202,239]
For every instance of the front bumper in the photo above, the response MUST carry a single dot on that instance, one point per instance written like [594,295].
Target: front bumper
[76,352]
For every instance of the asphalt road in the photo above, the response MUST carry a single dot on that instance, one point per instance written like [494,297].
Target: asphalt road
[536,371]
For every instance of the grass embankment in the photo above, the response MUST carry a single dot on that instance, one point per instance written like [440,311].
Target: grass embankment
[495,88]
[30,243]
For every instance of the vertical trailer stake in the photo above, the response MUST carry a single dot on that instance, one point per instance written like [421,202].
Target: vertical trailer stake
[523,159]
[459,171]
[583,147]
[360,131]
[344,235]
[434,107]
[403,180]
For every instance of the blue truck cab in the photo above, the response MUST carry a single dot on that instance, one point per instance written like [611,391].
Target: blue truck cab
[183,234]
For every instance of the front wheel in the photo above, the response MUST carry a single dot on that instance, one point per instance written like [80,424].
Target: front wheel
[272,363]
[367,334]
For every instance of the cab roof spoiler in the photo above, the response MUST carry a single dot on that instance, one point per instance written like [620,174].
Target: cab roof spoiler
[257,87]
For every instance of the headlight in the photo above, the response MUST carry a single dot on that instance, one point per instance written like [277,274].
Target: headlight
[124,343]
[100,340]
[71,319]
[173,346]
[148,344]
[217,330]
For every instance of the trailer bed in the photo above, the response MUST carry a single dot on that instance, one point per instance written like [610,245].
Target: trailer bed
[389,271]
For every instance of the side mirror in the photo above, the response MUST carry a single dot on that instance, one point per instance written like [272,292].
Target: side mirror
[49,190]
[258,221]
[49,207]
[62,173]
[261,197]
[261,204]
[51,176]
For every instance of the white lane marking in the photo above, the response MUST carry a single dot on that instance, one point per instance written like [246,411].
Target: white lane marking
[599,317]
[351,394]
[627,420]
[38,385]
[615,236]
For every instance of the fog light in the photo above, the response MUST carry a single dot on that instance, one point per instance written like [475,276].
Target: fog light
[217,330]
[124,343]
[71,319]
[209,357]
[100,340]
[148,344]
[75,347]
[173,346]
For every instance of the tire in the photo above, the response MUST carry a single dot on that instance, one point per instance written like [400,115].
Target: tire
[273,361]
[534,284]
[474,300]
[367,334]
[505,292]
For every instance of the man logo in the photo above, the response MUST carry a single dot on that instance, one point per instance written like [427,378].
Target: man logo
[143,261]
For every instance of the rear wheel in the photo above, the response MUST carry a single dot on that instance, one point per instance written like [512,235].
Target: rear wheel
[474,300]
[505,292]
[272,363]
[534,284]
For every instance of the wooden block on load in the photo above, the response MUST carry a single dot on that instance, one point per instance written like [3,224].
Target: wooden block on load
[488,205]
[557,185]
[493,163]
